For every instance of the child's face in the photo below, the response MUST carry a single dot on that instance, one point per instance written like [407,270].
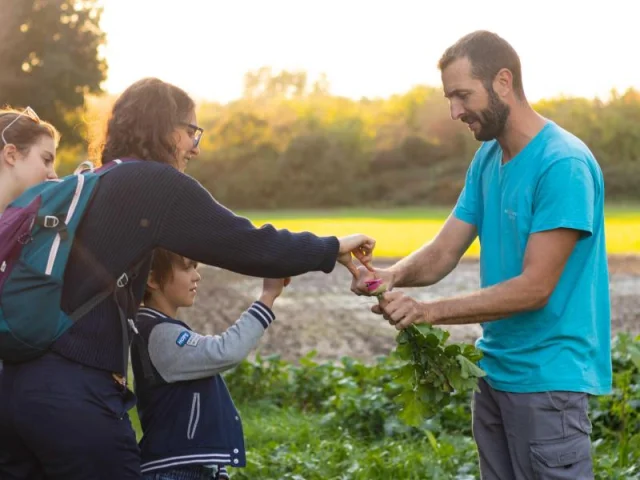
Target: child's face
[180,289]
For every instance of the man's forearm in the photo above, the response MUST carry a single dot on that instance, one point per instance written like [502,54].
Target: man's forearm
[489,304]
[424,267]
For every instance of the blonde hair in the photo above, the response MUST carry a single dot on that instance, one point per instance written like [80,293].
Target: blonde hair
[25,131]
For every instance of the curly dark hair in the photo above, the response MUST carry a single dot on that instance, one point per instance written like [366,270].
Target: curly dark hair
[26,131]
[143,119]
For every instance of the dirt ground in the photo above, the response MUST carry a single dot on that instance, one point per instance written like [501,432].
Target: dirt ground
[318,312]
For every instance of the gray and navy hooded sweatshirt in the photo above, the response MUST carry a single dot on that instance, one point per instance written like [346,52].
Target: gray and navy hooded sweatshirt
[186,412]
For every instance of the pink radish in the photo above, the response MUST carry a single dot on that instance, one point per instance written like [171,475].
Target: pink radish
[376,286]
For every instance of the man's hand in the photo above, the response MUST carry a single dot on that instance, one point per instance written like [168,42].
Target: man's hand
[361,247]
[546,255]
[364,276]
[400,310]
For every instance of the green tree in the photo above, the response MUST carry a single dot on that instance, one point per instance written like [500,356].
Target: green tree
[49,58]
[265,84]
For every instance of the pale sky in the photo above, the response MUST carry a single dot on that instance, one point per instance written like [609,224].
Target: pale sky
[367,48]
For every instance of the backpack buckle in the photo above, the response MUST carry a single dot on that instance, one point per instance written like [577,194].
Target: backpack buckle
[123,280]
[132,324]
[84,166]
[25,239]
[51,222]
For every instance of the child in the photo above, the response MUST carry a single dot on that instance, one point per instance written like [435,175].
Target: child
[191,428]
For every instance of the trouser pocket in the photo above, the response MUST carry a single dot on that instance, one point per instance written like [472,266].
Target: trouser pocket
[564,459]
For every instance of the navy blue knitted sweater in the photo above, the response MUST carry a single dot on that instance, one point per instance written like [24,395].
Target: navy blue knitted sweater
[142,205]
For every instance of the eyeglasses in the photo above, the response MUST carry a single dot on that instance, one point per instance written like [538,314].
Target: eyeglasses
[27,112]
[197,133]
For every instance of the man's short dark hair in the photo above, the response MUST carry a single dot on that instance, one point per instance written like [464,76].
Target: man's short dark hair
[488,53]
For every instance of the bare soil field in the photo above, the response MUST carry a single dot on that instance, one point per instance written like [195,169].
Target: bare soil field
[318,312]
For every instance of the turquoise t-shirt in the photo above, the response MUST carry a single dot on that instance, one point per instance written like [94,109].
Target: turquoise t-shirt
[554,182]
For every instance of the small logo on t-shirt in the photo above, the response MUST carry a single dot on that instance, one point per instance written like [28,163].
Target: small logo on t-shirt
[511,214]
[182,339]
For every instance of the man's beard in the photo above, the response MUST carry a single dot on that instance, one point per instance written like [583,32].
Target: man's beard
[492,120]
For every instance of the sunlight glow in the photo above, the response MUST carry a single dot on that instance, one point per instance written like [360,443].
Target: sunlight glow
[366,48]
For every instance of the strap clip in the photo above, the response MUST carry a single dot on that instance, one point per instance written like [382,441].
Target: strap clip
[122,281]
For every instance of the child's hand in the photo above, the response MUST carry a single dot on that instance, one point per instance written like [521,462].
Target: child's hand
[272,288]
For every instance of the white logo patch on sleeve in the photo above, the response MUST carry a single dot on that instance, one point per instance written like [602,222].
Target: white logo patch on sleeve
[193,340]
[183,338]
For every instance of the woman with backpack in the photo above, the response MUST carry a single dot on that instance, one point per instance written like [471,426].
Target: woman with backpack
[27,155]
[63,415]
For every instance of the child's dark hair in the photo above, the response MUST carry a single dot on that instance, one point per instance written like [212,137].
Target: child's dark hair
[162,265]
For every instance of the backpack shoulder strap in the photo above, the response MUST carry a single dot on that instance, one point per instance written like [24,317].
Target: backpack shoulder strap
[122,291]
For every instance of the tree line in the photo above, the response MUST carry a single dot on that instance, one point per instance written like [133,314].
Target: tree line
[288,142]
[286,145]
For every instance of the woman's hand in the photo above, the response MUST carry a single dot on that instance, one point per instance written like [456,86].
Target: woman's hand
[359,246]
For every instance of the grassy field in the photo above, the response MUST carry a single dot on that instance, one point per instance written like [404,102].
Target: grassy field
[400,231]
[287,443]
[339,421]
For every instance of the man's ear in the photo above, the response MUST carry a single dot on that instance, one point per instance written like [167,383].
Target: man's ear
[10,154]
[503,82]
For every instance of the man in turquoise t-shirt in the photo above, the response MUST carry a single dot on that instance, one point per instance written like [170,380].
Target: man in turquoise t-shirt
[534,195]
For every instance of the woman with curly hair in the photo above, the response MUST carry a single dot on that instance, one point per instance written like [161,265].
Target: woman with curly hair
[64,414]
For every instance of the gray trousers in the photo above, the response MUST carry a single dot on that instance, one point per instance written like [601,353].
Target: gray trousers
[532,436]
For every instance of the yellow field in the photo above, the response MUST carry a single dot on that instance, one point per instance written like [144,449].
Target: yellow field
[399,237]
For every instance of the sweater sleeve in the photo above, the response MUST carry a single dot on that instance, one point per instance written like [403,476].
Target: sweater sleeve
[180,354]
[198,227]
